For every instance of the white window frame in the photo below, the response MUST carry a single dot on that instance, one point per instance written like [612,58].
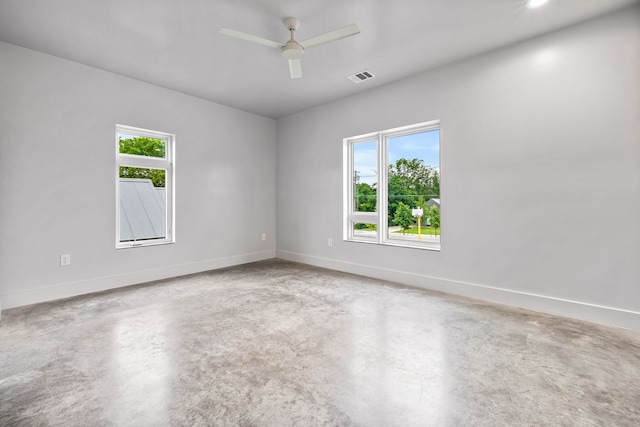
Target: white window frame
[166,163]
[350,216]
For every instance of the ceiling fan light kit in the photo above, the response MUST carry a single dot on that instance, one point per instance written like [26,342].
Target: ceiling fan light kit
[292,49]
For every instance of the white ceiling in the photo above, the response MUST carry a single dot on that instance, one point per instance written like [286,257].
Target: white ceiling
[176,43]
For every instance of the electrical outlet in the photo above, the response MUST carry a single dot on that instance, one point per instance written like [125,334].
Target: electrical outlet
[330,242]
[65,259]
[264,236]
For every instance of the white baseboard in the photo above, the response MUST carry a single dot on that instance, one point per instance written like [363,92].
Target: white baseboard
[578,310]
[97,284]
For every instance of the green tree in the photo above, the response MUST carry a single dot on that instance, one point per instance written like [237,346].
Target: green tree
[399,192]
[366,198]
[433,214]
[157,176]
[412,183]
[143,146]
[403,216]
[417,176]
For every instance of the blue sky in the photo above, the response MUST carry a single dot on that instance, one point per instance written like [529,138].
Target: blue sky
[424,145]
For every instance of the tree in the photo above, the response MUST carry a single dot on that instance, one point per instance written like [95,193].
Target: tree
[411,182]
[398,193]
[143,146]
[157,176]
[417,176]
[366,198]
[403,216]
[433,214]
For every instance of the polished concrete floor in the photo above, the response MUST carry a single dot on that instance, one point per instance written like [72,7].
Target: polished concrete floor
[282,344]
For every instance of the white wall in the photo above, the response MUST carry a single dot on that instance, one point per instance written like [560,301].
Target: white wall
[540,175]
[57,179]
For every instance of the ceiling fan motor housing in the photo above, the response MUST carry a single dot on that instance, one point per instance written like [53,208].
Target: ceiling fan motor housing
[293,49]
[292,23]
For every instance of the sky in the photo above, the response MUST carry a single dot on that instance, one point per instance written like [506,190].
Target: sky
[424,145]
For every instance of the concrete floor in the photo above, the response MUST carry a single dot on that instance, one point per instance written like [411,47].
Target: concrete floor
[282,344]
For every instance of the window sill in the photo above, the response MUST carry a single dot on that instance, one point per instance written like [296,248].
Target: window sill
[423,246]
[142,245]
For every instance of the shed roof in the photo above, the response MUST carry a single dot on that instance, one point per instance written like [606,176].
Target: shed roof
[434,202]
[143,210]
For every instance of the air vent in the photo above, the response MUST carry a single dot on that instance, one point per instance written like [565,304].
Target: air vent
[361,76]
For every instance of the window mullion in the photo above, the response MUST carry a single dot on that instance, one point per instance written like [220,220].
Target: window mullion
[143,162]
[382,188]
[348,206]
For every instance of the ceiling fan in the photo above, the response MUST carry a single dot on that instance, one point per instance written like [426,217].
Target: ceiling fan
[293,50]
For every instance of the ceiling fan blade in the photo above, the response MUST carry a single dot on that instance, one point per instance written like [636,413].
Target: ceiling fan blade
[349,30]
[250,38]
[295,68]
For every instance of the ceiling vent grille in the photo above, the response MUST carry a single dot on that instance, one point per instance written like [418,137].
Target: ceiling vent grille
[361,76]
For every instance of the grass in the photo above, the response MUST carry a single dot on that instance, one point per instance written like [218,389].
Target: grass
[428,231]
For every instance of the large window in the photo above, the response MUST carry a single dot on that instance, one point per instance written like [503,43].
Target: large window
[144,187]
[392,187]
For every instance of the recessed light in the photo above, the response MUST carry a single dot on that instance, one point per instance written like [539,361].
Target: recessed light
[535,3]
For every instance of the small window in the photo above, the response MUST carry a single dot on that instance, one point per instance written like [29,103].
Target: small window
[144,187]
[365,181]
[392,187]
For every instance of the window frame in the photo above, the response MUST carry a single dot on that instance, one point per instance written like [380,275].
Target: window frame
[138,161]
[379,218]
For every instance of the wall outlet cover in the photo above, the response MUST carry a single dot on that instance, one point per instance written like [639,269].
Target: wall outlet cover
[65,259]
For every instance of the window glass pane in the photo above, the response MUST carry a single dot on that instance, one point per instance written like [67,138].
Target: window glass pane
[414,187]
[365,176]
[365,230]
[143,205]
[141,145]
